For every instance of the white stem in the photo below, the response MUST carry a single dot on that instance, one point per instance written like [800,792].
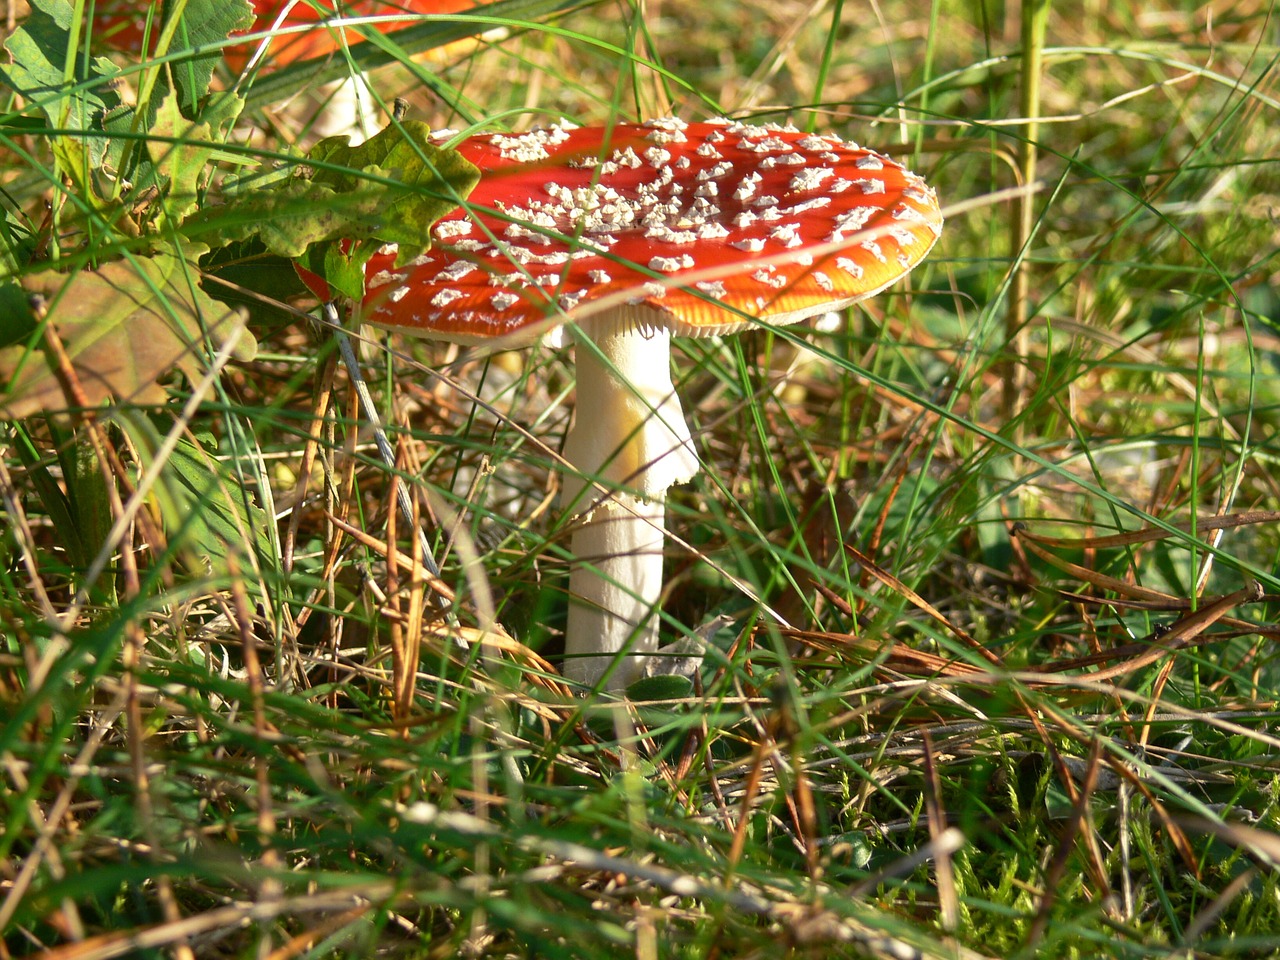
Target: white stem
[614,589]
[630,438]
[349,109]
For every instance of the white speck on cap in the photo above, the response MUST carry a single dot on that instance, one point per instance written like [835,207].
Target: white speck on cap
[788,234]
[445,297]
[671,264]
[811,178]
[657,157]
[815,144]
[873,248]
[850,267]
[456,270]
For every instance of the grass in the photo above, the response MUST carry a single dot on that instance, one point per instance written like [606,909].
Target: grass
[922,730]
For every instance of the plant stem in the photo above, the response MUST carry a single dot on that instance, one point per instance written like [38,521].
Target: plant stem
[1035,18]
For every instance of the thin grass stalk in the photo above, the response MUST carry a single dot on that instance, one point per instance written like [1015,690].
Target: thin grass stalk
[306,463]
[1035,19]
[255,678]
[935,814]
[403,497]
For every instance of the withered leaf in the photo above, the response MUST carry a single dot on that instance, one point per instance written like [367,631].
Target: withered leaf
[122,327]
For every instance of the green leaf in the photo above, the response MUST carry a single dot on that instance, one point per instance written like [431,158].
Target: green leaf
[665,686]
[1058,802]
[343,269]
[121,326]
[204,23]
[436,180]
[290,218]
[72,91]
[79,94]
[121,156]
[17,245]
[390,189]
[55,502]
[90,500]
[17,323]
[180,162]
[207,512]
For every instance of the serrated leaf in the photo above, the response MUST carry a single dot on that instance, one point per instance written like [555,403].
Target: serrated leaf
[390,189]
[122,327]
[403,152]
[180,162]
[290,218]
[220,114]
[43,69]
[204,23]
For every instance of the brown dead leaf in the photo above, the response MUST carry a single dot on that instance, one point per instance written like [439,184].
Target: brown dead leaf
[122,326]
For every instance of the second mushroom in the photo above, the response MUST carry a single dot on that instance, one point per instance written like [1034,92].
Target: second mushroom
[635,233]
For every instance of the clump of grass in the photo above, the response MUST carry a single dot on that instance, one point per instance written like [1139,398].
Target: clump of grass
[976,686]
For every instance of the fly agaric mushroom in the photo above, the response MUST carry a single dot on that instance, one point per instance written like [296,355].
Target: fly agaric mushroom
[322,41]
[351,106]
[636,233]
[121,24]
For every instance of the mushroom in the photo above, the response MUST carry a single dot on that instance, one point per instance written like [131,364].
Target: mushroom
[635,233]
[322,41]
[350,105]
[121,24]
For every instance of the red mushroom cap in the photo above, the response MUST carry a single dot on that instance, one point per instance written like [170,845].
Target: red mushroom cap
[697,227]
[295,47]
[120,23]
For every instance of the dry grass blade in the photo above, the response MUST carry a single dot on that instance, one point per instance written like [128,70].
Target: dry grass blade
[893,655]
[948,897]
[1203,524]
[380,548]
[125,942]
[1099,580]
[889,580]
[1185,632]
